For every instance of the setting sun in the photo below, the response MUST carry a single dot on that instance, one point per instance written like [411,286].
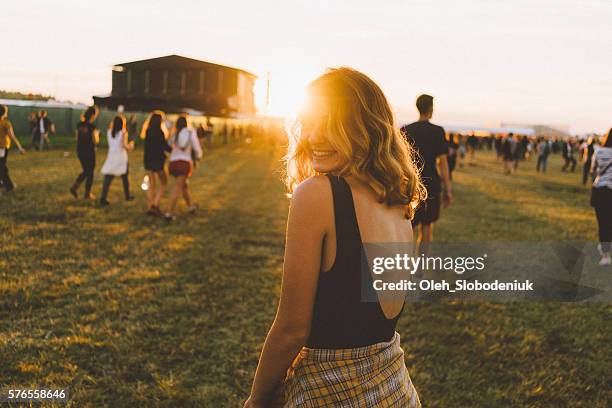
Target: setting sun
[287,89]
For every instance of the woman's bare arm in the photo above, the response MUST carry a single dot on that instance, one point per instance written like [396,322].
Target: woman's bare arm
[15,140]
[309,215]
[127,145]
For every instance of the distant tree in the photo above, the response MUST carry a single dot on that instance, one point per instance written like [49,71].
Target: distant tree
[19,95]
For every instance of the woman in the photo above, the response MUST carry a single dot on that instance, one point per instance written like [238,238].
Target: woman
[116,163]
[601,196]
[6,135]
[155,135]
[353,180]
[183,142]
[87,136]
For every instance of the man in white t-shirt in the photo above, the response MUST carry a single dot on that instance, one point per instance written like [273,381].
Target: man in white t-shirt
[44,127]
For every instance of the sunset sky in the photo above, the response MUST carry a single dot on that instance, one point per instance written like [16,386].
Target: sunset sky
[485,61]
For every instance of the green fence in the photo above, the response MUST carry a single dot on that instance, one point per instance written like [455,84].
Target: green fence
[66,118]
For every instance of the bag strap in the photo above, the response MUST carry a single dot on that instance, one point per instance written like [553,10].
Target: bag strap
[605,169]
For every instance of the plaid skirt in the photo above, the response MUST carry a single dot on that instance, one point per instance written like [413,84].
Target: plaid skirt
[370,376]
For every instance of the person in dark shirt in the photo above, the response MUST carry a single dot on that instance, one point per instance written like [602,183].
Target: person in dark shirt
[432,150]
[156,146]
[568,155]
[453,148]
[87,136]
[472,145]
[587,158]
[33,123]
[132,127]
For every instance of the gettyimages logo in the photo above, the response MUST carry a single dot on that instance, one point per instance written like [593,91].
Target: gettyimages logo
[498,272]
[413,264]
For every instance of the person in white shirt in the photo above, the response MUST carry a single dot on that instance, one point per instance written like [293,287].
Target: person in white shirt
[185,146]
[116,163]
[601,197]
[44,127]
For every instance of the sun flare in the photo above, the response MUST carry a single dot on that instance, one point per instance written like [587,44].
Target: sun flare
[287,91]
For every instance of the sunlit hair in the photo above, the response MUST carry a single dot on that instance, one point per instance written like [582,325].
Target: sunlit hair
[117,125]
[155,121]
[90,114]
[360,126]
[181,123]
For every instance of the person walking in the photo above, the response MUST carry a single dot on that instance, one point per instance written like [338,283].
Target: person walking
[453,148]
[429,143]
[155,137]
[7,135]
[328,347]
[45,126]
[472,145]
[116,163]
[184,142]
[87,138]
[587,158]
[601,196]
[508,149]
[132,127]
[543,150]
[33,125]
[568,156]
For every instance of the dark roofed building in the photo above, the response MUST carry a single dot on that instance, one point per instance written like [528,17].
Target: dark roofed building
[178,84]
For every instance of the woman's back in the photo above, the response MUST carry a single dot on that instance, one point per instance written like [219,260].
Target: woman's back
[347,312]
[155,141]
[115,140]
[85,139]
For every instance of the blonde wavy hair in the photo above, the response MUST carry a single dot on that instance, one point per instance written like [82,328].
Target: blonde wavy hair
[361,127]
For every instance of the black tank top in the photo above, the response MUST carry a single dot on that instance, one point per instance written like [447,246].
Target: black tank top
[340,319]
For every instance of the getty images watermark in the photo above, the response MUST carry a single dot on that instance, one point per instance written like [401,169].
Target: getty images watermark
[459,265]
[500,272]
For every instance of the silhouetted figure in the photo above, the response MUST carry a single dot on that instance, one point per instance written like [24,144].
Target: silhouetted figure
[568,155]
[33,124]
[429,142]
[132,128]
[155,137]
[587,158]
[543,151]
[509,147]
[87,138]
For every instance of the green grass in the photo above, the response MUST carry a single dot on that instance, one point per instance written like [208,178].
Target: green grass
[126,310]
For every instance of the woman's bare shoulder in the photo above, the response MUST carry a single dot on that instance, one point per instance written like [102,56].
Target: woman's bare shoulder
[315,192]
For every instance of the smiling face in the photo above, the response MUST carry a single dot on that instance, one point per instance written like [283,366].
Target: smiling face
[325,158]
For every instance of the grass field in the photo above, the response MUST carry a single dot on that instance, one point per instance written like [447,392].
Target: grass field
[129,311]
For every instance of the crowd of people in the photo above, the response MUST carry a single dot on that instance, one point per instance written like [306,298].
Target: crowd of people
[181,143]
[367,181]
[512,149]
[170,148]
[178,143]
[594,154]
